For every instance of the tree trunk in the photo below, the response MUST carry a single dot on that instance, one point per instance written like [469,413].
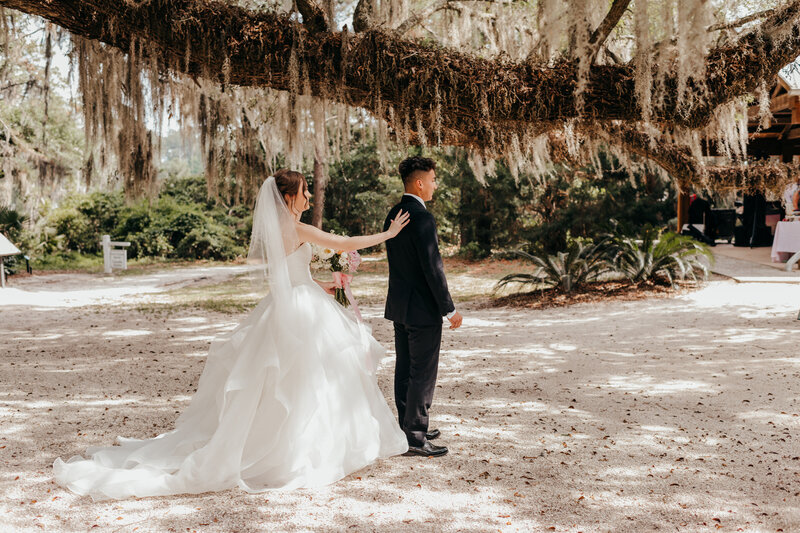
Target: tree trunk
[683,209]
[483,223]
[320,184]
[464,218]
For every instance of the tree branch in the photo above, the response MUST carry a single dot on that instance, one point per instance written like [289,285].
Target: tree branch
[314,17]
[362,15]
[416,18]
[682,166]
[604,30]
[722,26]
[474,98]
[742,21]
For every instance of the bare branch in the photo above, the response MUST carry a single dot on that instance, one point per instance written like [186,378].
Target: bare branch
[723,26]
[604,30]
[742,21]
[416,18]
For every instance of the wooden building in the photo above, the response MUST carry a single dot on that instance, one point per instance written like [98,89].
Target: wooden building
[780,139]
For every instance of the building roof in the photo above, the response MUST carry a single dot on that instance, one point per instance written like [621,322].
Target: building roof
[789,77]
[6,248]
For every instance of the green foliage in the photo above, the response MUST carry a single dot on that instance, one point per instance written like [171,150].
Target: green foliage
[473,251]
[660,256]
[359,193]
[481,217]
[82,219]
[180,224]
[177,227]
[566,271]
[68,261]
[187,190]
[656,257]
[41,140]
[506,212]
[573,203]
[11,225]
[210,242]
[11,222]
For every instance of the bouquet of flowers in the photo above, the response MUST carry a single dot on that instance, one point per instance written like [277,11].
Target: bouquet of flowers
[343,265]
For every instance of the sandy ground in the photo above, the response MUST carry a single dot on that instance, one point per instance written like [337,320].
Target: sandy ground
[663,414]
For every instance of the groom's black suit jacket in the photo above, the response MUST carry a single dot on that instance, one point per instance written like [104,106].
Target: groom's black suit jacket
[418,294]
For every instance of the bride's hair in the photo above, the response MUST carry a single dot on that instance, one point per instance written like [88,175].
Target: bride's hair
[289,182]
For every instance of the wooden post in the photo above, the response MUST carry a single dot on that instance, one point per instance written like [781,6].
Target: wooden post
[787,152]
[683,208]
[106,243]
[2,274]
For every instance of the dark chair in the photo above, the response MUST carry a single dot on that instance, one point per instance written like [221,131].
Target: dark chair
[754,230]
[726,223]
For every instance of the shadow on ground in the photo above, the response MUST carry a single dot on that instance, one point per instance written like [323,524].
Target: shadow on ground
[665,414]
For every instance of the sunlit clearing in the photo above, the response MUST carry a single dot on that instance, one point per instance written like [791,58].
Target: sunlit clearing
[648,385]
[127,333]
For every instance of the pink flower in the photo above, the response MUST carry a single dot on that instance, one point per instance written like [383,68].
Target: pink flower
[355,261]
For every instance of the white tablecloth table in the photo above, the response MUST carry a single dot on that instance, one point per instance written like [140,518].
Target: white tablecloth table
[786,241]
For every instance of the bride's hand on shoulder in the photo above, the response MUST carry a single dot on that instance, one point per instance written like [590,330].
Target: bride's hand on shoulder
[400,221]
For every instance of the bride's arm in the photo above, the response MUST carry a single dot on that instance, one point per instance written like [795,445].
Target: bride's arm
[308,233]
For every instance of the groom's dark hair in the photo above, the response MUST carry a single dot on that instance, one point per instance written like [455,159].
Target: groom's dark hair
[410,165]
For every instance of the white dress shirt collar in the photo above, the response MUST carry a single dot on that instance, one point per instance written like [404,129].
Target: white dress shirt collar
[415,196]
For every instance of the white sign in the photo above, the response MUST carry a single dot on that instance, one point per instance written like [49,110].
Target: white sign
[114,257]
[119,259]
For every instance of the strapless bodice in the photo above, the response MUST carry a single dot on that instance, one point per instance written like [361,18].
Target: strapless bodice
[298,264]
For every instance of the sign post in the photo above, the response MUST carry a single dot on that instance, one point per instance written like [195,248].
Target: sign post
[114,258]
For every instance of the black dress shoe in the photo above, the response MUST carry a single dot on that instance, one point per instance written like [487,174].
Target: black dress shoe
[427,450]
[433,434]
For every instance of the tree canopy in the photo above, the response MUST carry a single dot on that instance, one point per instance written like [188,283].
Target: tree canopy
[529,81]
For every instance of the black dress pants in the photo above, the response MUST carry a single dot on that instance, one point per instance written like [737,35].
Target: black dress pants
[415,377]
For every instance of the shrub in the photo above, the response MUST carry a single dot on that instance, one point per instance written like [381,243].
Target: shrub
[565,271]
[660,256]
[472,252]
[211,242]
[186,190]
[149,243]
[82,219]
[173,229]
[179,223]
[73,227]
[11,222]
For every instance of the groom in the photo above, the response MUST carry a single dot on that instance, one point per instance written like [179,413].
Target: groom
[418,299]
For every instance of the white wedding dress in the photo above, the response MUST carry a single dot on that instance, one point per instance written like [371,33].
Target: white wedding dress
[288,399]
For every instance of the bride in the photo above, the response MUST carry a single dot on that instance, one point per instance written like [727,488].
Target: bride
[287,399]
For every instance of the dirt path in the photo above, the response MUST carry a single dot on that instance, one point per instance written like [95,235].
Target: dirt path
[675,413]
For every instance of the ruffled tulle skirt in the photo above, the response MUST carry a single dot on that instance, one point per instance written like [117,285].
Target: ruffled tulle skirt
[288,399]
